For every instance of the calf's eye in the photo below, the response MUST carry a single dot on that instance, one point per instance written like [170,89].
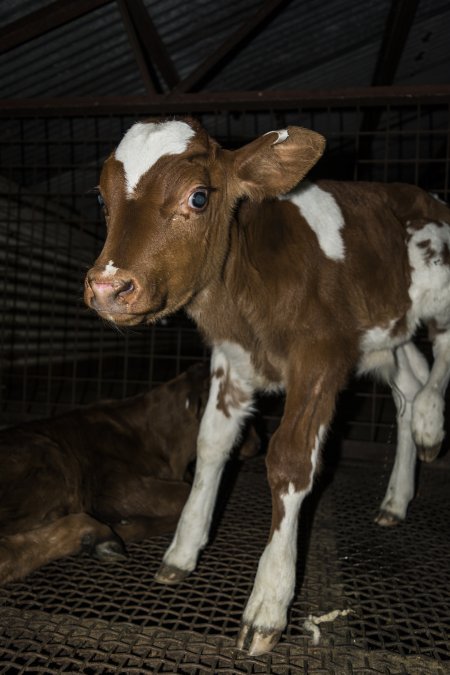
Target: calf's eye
[100,200]
[198,199]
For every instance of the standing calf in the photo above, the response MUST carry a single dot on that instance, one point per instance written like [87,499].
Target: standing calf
[292,293]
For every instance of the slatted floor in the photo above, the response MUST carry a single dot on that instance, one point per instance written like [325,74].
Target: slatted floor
[83,616]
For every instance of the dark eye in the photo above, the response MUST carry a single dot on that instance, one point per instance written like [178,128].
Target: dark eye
[198,199]
[100,200]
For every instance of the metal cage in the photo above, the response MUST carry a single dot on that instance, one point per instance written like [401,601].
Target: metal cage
[54,354]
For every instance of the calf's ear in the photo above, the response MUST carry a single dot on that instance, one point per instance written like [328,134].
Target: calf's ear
[274,163]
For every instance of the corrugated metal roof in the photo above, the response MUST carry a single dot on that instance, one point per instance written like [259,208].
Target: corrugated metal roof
[303,47]
[310,44]
[426,58]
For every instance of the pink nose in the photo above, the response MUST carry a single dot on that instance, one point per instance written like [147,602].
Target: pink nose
[110,291]
[110,294]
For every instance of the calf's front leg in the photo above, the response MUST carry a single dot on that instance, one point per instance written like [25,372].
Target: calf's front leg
[292,461]
[229,401]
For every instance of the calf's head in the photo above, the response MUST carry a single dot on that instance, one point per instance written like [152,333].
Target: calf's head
[169,192]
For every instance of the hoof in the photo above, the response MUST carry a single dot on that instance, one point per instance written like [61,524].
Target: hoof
[110,551]
[257,641]
[386,519]
[168,574]
[428,454]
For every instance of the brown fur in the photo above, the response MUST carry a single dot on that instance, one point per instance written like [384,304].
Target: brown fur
[112,472]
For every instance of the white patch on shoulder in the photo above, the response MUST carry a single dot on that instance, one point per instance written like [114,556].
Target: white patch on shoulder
[323,215]
[110,269]
[283,134]
[146,142]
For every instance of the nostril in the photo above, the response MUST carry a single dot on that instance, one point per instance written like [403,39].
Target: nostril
[106,293]
[126,288]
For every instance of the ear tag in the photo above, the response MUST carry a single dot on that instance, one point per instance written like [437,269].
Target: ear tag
[283,134]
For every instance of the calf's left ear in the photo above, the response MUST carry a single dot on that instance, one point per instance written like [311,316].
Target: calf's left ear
[274,163]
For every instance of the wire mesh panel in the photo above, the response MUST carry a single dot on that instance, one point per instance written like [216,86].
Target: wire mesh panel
[82,615]
[54,353]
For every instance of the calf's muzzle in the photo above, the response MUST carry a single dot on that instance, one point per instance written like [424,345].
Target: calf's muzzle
[115,294]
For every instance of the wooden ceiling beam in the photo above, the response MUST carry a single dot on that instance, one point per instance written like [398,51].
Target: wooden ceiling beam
[211,101]
[229,47]
[43,20]
[398,25]
[144,64]
[151,43]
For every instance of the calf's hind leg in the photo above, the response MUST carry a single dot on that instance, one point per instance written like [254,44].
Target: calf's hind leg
[428,406]
[410,376]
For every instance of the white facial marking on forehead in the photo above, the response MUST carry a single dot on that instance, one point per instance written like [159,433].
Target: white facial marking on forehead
[323,215]
[110,269]
[146,142]
[283,134]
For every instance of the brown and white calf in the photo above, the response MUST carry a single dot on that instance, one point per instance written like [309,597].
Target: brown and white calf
[292,292]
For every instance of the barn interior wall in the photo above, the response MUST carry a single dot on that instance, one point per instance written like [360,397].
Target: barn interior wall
[55,354]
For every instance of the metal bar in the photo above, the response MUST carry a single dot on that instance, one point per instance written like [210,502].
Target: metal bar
[145,66]
[230,46]
[231,100]
[43,20]
[398,24]
[151,43]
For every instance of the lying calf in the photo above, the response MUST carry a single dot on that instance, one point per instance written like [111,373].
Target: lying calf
[99,476]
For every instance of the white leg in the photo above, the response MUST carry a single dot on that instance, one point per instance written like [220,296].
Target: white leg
[428,406]
[412,372]
[265,615]
[229,402]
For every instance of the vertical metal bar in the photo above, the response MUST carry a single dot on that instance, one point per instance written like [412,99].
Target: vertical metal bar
[21,181]
[357,143]
[447,159]
[151,360]
[45,274]
[98,341]
[417,145]
[126,358]
[388,113]
[76,328]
